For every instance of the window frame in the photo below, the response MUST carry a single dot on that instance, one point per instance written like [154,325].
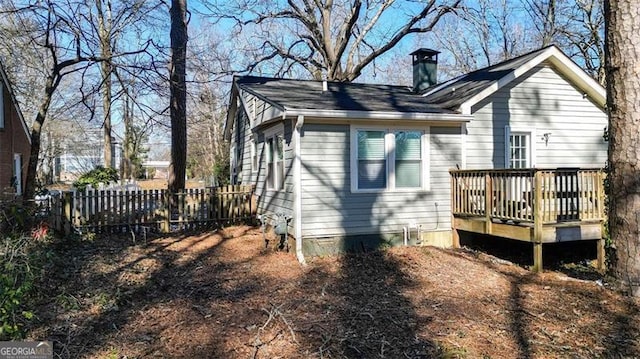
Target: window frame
[530,134]
[255,161]
[271,137]
[390,158]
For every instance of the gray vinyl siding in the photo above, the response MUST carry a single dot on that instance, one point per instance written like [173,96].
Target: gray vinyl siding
[270,202]
[542,99]
[242,139]
[260,111]
[330,209]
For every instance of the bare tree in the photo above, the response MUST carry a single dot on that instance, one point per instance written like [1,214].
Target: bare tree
[483,34]
[623,90]
[488,31]
[544,16]
[585,41]
[58,33]
[104,35]
[576,26]
[338,38]
[208,151]
[178,87]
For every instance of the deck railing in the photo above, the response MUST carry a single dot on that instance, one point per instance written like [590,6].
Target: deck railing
[524,195]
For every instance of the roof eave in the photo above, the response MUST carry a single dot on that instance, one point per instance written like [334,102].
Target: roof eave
[231,113]
[378,115]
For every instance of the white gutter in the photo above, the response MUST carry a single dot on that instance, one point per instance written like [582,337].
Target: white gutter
[377,115]
[297,180]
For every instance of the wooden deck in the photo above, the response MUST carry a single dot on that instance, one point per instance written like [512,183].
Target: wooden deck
[533,205]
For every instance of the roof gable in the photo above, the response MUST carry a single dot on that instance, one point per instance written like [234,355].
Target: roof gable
[462,92]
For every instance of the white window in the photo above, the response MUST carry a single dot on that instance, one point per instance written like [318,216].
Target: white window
[254,155]
[372,160]
[275,162]
[233,162]
[17,172]
[389,159]
[408,159]
[254,110]
[520,149]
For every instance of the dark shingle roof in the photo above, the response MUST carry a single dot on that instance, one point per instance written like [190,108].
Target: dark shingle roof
[453,93]
[302,94]
[445,97]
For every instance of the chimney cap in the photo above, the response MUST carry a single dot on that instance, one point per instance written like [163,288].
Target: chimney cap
[425,51]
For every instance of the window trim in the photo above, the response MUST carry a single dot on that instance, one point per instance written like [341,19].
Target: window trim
[273,133]
[390,158]
[531,132]
[255,161]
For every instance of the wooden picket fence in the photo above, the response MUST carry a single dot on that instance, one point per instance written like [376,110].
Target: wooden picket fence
[121,211]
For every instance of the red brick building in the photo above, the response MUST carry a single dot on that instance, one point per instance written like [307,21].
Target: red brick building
[15,142]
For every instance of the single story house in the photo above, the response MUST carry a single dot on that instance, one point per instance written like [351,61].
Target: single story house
[355,165]
[15,140]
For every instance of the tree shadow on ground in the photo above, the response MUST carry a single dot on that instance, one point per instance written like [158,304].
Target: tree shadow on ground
[535,331]
[206,296]
[376,319]
[223,295]
[108,288]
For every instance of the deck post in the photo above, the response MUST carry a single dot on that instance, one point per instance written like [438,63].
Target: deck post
[537,257]
[537,222]
[488,203]
[601,256]
[455,236]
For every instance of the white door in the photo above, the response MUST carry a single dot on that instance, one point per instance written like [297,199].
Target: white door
[17,170]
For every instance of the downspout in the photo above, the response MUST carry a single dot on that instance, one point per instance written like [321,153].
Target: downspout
[297,174]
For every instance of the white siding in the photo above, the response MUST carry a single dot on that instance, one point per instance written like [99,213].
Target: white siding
[544,100]
[330,209]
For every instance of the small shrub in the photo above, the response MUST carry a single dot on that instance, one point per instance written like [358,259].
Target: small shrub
[15,217]
[95,176]
[22,256]
[16,284]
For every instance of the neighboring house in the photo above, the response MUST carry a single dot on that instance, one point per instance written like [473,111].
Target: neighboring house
[76,158]
[15,142]
[353,164]
[156,169]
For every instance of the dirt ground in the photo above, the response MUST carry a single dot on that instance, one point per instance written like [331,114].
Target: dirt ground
[223,295]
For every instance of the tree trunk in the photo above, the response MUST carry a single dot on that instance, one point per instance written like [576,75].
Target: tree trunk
[36,131]
[178,88]
[623,88]
[104,32]
[128,129]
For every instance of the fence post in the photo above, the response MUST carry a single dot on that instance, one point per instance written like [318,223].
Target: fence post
[166,213]
[67,200]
